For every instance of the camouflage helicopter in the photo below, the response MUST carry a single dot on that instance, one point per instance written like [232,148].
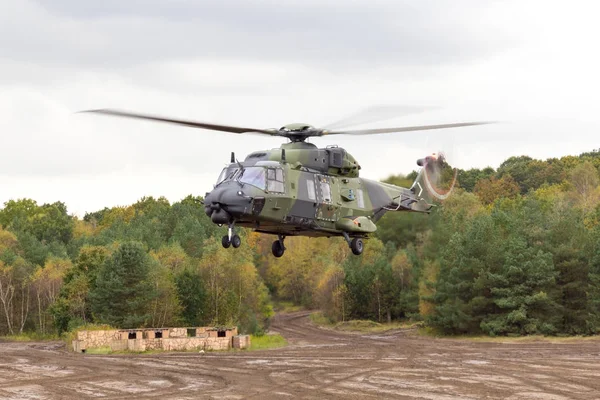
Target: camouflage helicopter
[299,189]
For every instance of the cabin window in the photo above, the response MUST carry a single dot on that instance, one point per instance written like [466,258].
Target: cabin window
[360,200]
[275,180]
[310,186]
[325,191]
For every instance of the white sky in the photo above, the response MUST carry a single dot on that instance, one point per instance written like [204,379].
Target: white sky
[263,63]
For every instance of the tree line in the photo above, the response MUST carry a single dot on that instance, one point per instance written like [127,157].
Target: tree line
[516,250]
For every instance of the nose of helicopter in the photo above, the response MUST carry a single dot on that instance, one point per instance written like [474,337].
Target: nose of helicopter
[225,204]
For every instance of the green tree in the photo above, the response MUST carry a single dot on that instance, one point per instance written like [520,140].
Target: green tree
[193,297]
[46,284]
[123,294]
[166,307]
[584,179]
[522,293]
[73,302]
[467,179]
[235,292]
[461,298]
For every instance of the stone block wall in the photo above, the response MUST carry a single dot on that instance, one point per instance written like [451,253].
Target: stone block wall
[177,332]
[173,339]
[93,339]
[241,342]
[119,345]
[229,332]
[183,344]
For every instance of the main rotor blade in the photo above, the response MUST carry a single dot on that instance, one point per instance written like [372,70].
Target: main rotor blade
[405,129]
[376,114]
[193,124]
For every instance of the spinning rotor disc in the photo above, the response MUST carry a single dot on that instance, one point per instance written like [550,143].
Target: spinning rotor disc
[439,177]
[295,135]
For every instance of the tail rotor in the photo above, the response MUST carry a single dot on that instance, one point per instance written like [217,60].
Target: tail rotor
[436,179]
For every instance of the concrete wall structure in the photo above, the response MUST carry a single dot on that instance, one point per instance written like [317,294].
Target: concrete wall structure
[169,339]
[241,342]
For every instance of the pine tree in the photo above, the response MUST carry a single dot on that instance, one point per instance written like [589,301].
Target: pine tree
[123,295]
[192,295]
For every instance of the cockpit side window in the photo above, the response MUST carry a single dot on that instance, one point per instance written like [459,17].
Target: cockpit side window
[275,180]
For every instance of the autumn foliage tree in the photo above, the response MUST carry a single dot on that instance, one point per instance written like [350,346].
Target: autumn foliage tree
[492,188]
[514,251]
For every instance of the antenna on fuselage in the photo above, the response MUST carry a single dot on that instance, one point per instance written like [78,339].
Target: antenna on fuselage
[232,157]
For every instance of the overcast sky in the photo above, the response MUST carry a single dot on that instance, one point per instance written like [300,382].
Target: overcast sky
[533,65]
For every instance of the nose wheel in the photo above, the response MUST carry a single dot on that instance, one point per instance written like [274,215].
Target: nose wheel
[225,242]
[278,248]
[356,244]
[231,239]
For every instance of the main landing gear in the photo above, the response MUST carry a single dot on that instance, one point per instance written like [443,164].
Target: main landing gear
[278,248]
[231,239]
[356,244]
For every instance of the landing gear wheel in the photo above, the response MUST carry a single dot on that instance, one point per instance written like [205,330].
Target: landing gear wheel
[357,246]
[236,241]
[277,248]
[225,242]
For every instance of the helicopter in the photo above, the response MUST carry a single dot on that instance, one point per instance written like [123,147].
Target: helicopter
[300,189]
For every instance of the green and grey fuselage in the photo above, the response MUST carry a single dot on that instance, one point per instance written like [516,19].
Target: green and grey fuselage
[300,189]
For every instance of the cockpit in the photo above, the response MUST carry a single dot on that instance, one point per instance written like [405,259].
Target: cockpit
[264,178]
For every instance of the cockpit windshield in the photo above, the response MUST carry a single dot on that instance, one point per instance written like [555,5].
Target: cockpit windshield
[228,173]
[255,176]
[270,179]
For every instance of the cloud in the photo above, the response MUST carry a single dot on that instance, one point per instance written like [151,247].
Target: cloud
[334,35]
[529,64]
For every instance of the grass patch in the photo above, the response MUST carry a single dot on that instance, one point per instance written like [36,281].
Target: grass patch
[529,339]
[319,319]
[105,350]
[99,350]
[286,307]
[29,337]
[267,342]
[430,332]
[360,325]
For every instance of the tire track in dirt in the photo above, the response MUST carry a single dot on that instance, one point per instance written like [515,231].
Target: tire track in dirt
[318,363]
[297,325]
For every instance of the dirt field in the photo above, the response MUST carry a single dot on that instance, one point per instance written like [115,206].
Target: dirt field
[316,364]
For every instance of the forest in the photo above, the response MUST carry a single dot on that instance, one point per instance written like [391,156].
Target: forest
[514,251]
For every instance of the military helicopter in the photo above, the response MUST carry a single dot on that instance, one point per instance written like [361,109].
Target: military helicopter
[299,189]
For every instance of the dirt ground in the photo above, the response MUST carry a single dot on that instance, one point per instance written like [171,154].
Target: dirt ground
[317,364]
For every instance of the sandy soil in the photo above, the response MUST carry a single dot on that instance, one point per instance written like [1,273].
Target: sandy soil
[317,364]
